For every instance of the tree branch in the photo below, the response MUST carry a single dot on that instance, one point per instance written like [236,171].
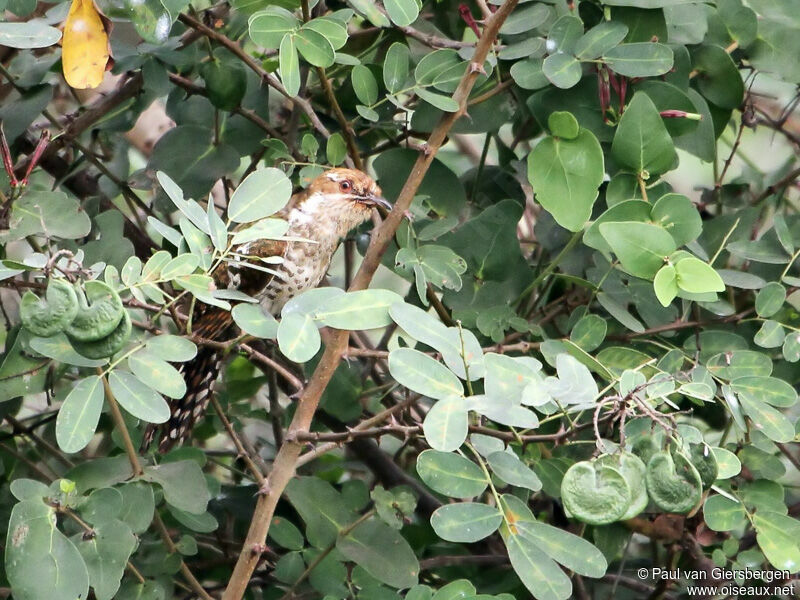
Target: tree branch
[285,461]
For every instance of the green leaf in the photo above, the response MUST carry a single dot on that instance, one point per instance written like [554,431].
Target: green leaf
[367,113]
[137,505]
[575,553]
[314,47]
[767,420]
[40,561]
[395,67]
[445,425]
[563,124]
[422,374]
[151,20]
[289,65]
[770,299]
[298,337]
[444,103]
[718,77]
[451,474]
[529,74]
[641,248]
[776,535]
[137,398]
[562,70]
[735,363]
[268,27]
[53,214]
[79,414]
[106,555]
[183,483]
[382,552]
[336,149]
[261,194]
[402,12]
[677,214]
[526,17]
[321,507]
[771,390]
[723,514]
[172,347]
[28,35]
[727,462]
[58,348]
[600,39]
[665,285]
[465,522]
[158,373]
[252,319]
[589,332]
[696,277]
[791,347]
[503,412]
[537,571]
[370,10]
[565,175]
[770,335]
[645,59]
[642,142]
[190,157]
[363,309]
[184,264]
[285,534]
[512,470]
[334,31]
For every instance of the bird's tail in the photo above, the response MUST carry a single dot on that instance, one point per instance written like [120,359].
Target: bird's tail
[200,374]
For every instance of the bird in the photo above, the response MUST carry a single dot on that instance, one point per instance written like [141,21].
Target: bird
[319,218]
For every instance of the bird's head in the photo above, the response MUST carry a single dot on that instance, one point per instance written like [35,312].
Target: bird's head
[344,197]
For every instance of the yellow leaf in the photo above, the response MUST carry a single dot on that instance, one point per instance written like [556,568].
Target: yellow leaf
[85,51]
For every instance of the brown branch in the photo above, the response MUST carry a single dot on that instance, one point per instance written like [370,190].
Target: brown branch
[255,471]
[286,459]
[136,466]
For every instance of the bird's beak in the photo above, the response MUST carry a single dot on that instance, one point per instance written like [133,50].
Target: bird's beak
[378,201]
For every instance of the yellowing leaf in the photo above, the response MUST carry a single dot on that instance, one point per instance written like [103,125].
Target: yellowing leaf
[85,52]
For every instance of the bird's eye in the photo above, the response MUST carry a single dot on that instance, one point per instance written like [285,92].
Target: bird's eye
[345,186]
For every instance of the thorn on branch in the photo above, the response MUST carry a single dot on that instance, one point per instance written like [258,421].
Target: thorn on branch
[475,67]
[259,549]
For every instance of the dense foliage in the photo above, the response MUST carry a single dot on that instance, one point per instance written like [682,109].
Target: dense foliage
[575,363]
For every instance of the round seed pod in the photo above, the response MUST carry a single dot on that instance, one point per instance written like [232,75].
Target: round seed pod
[633,470]
[109,345]
[705,462]
[99,313]
[673,483]
[595,493]
[52,314]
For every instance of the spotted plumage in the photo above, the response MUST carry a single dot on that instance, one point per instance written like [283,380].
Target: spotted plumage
[319,217]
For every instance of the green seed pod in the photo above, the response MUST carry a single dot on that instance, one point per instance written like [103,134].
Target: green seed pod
[673,483]
[98,317]
[645,447]
[633,470]
[705,462]
[109,345]
[52,314]
[595,493]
